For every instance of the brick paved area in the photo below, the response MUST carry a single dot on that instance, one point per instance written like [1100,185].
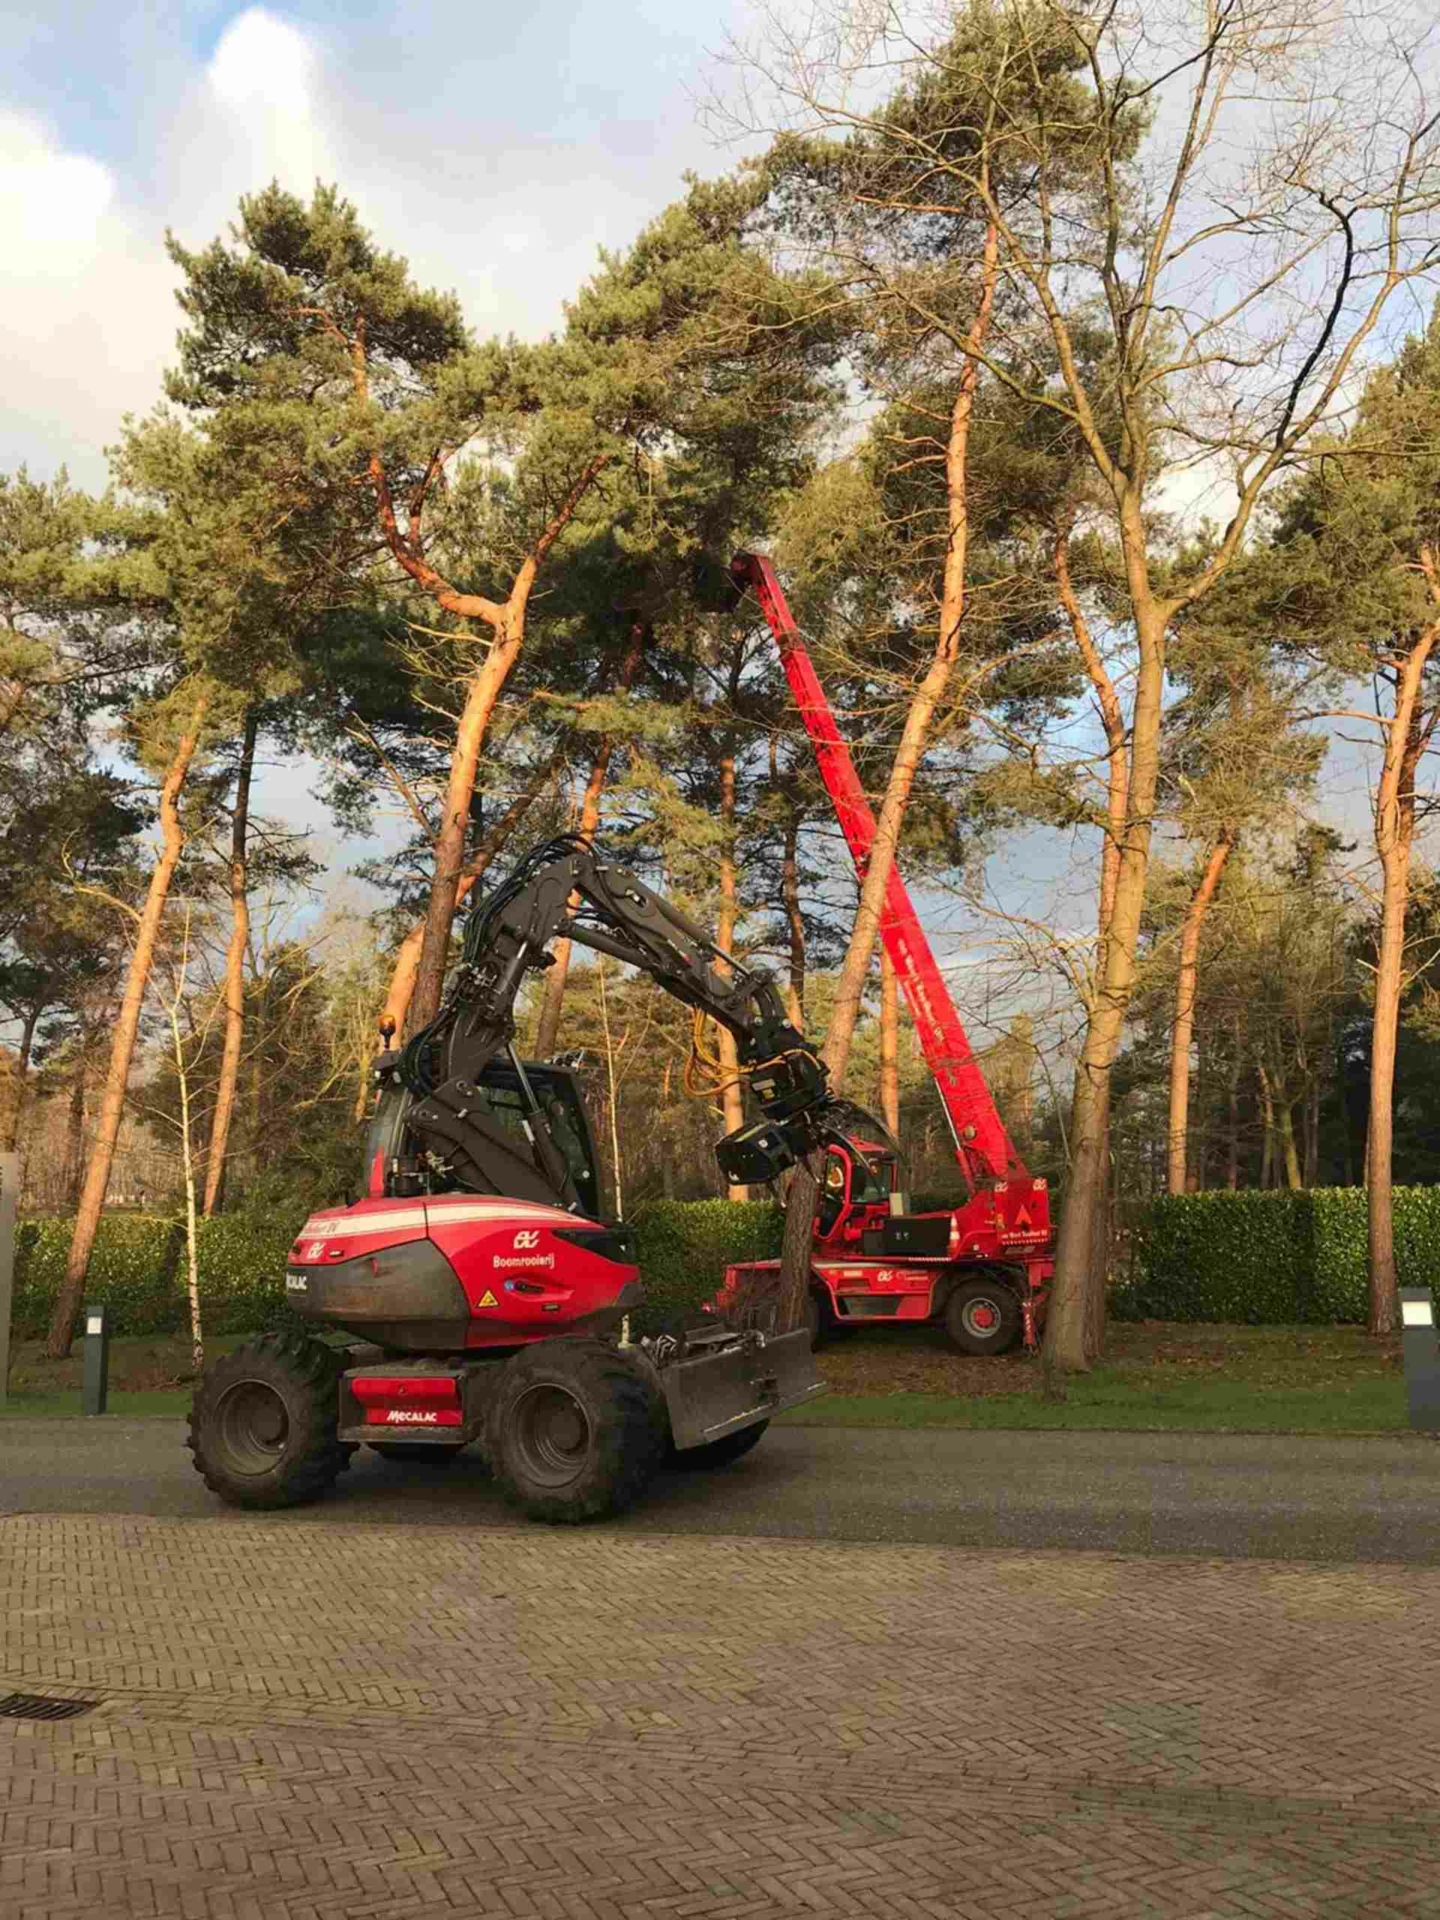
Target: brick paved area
[312,1722]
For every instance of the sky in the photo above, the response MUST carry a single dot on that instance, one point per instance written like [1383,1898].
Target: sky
[498,147]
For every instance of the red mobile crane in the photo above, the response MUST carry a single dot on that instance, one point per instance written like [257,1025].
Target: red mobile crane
[983,1268]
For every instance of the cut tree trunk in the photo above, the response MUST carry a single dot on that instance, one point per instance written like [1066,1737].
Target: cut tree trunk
[234,968]
[889,1044]
[558,972]
[122,1047]
[1185,987]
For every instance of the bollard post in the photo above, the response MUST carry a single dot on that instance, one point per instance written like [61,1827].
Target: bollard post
[9,1195]
[97,1361]
[1422,1358]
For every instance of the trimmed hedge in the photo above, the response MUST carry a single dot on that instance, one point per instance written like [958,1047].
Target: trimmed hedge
[138,1271]
[684,1246]
[138,1267]
[1272,1258]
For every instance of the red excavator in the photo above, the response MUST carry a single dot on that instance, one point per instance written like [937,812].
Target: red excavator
[981,1270]
[484,1298]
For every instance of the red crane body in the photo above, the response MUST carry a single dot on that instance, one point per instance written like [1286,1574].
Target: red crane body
[1005,1223]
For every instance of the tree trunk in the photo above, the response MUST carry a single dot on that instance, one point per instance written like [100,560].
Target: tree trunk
[20,1081]
[485,689]
[1294,1179]
[1406,739]
[849,987]
[1232,1146]
[795,922]
[1312,1134]
[1389,978]
[75,1140]
[558,972]
[394,1013]
[889,1044]
[122,1048]
[1067,1316]
[234,968]
[1184,1034]
[733,1095]
[1267,1109]
[1088,1310]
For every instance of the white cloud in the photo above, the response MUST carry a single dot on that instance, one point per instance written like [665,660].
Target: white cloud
[85,308]
[263,78]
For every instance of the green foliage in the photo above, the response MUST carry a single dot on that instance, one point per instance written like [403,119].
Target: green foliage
[1272,1258]
[138,1272]
[134,1271]
[138,1269]
[684,1246]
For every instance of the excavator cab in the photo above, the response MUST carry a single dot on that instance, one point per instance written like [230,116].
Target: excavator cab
[506,1120]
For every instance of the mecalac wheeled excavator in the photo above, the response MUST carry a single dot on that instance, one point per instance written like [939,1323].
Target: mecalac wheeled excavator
[484,1297]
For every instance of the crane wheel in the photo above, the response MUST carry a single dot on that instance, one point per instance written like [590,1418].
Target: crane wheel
[720,1453]
[263,1422]
[576,1429]
[983,1316]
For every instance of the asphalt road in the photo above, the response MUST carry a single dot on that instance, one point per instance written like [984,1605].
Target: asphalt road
[1268,1496]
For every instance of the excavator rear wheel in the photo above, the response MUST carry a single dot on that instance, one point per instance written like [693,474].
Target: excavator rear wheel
[263,1422]
[983,1316]
[576,1429]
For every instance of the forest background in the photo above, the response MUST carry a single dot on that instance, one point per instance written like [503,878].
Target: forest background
[1080,369]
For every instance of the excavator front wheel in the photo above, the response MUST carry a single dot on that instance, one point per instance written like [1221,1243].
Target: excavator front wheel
[575,1430]
[983,1316]
[264,1419]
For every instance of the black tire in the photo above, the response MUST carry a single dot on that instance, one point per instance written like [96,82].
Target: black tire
[413,1453]
[720,1453]
[817,1320]
[983,1316]
[575,1430]
[263,1422]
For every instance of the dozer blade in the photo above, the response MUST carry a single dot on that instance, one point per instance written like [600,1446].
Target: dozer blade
[726,1381]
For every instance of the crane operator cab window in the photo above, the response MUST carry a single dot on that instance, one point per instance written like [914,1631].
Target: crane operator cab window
[853,1182]
[832,1198]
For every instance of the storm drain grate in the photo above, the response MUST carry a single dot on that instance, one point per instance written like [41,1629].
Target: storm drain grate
[34,1706]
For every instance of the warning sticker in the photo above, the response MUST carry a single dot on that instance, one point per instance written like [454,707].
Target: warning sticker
[487,1299]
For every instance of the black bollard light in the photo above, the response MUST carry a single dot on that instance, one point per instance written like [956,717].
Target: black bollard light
[97,1361]
[1422,1358]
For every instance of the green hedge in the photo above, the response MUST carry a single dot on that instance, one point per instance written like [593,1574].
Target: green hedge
[1272,1258]
[684,1246]
[138,1267]
[138,1271]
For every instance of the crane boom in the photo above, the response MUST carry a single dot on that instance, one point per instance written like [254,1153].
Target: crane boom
[983,1146]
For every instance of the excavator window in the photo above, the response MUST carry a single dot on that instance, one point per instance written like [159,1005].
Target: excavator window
[565,1116]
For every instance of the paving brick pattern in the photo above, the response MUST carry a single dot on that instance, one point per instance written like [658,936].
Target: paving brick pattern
[306,1722]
